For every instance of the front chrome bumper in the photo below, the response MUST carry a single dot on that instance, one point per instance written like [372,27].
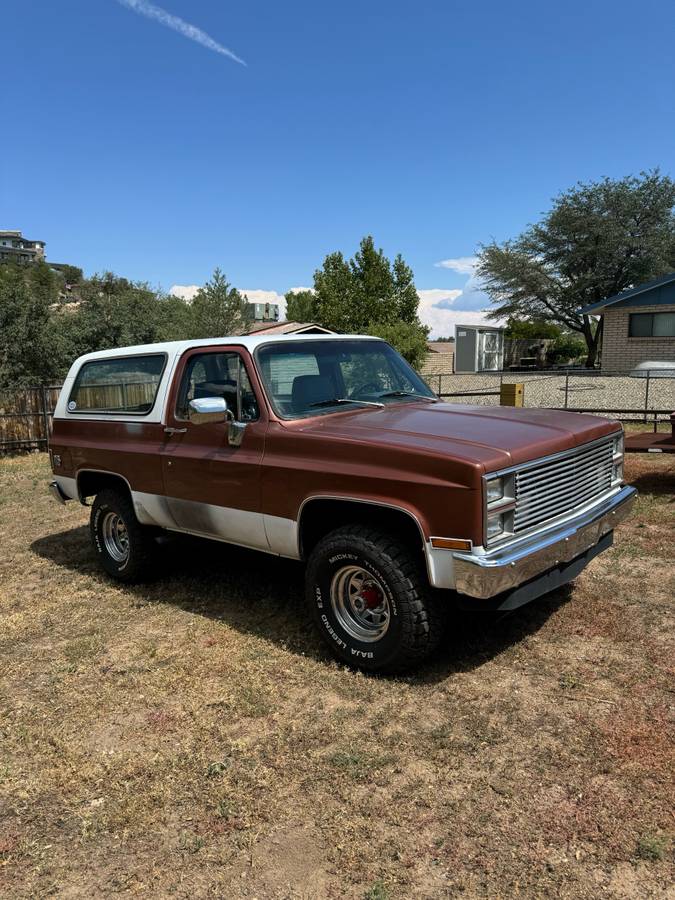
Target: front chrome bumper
[488,574]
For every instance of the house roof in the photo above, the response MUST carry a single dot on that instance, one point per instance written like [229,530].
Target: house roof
[636,296]
[441,346]
[288,328]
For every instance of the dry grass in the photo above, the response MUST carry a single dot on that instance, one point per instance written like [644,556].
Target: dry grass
[191,738]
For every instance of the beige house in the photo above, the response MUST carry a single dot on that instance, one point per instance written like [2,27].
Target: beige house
[638,325]
[440,360]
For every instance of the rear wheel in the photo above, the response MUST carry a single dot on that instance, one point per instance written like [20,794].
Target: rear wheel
[125,548]
[371,601]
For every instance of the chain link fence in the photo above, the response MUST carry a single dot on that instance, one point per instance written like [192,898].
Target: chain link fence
[630,397]
[26,413]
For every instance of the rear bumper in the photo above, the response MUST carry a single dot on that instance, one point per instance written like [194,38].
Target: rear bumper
[57,493]
[505,568]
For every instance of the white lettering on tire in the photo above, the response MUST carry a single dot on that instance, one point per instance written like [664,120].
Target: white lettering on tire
[338,640]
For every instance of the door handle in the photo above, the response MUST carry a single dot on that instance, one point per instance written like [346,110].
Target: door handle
[175,430]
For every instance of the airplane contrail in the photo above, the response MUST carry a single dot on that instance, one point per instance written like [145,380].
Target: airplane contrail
[143,8]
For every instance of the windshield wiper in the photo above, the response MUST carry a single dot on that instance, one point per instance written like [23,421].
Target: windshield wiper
[408,394]
[334,400]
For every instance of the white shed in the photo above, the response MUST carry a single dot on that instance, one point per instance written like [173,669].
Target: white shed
[479,348]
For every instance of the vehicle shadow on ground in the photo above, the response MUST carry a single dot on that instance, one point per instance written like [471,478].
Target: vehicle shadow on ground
[263,595]
[658,483]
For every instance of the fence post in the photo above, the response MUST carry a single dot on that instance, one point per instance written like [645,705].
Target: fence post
[649,371]
[567,387]
[512,395]
[439,383]
[45,414]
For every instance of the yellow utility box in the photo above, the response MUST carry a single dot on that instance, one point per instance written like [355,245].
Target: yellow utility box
[512,394]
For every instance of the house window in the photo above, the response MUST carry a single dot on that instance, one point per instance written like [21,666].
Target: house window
[652,325]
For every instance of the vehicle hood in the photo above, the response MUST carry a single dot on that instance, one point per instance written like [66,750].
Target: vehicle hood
[492,437]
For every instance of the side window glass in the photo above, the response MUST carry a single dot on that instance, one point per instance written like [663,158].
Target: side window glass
[218,375]
[117,385]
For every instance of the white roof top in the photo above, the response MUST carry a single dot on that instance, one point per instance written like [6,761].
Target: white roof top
[250,342]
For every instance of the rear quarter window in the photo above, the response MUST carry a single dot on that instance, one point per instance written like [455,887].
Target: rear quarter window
[118,386]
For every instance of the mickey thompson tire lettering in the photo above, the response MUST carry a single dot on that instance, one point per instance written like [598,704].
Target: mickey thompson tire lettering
[140,559]
[416,617]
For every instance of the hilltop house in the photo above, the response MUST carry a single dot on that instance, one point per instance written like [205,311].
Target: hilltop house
[639,325]
[14,247]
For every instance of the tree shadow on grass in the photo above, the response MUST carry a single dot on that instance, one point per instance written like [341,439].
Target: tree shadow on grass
[263,595]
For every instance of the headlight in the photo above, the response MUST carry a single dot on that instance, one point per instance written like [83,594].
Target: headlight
[495,490]
[500,501]
[617,445]
[495,525]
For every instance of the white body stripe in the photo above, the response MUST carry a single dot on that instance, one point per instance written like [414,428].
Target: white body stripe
[271,534]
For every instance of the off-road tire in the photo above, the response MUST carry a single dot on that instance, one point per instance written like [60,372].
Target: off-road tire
[142,546]
[416,615]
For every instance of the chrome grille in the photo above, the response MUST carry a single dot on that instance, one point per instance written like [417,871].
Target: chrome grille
[557,486]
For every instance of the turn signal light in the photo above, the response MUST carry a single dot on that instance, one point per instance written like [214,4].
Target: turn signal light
[450,544]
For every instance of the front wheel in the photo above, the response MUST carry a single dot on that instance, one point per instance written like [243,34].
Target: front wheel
[370,600]
[125,548]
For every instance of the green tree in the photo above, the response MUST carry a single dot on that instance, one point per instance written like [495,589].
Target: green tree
[566,348]
[27,339]
[531,329]
[115,312]
[300,306]
[409,339]
[406,299]
[598,239]
[71,274]
[335,304]
[218,309]
[368,294]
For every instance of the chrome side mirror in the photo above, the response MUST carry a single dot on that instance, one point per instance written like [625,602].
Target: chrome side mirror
[207,409]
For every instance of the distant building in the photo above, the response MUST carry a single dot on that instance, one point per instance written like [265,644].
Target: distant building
[639,325]
[264,312]
[440,360]
[14,247]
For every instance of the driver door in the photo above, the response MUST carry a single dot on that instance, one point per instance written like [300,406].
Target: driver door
[213,487]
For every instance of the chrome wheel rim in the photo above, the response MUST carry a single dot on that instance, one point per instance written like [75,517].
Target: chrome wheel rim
[115,537]
[359,603]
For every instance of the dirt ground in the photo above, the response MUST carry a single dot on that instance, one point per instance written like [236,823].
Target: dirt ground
[192,738]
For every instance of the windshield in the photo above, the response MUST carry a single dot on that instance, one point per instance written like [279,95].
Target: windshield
[313,377]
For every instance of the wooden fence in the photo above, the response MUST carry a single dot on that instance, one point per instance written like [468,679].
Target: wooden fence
[25,417]
[26,413]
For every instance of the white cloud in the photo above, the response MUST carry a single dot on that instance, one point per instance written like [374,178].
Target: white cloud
[442,310]
[150,11]
[184,291]
[465,265]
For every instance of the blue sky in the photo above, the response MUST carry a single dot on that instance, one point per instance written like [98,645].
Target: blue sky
[432,125]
